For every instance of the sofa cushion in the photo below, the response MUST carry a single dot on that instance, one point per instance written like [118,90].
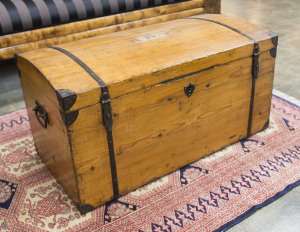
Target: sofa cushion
[23,15]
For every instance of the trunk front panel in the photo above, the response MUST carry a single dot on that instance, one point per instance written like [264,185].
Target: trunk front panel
[160,129]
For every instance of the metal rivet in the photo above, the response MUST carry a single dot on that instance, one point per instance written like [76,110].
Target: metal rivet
[170,98]
[207,84]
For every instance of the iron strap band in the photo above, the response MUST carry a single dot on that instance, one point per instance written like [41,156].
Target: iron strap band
[255,66]
[106,114]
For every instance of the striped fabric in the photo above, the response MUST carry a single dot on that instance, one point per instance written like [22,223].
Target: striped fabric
[23,15]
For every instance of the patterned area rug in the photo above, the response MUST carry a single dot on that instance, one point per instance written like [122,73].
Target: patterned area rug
[213,193]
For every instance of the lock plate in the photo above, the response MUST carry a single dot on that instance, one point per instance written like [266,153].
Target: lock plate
[189,89]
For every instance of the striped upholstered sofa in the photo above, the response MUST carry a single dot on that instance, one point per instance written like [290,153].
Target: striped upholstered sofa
[32,24]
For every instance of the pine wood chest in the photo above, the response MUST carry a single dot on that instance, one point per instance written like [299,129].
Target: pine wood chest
[112,113]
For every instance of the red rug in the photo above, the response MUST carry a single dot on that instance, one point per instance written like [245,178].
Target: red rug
[211,194]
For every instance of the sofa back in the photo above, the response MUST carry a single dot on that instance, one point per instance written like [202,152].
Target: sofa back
[33,24]
[17,16]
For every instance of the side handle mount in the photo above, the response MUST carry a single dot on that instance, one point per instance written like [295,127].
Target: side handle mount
[41,114]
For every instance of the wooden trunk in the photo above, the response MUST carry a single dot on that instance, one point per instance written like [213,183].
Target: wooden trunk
[178,91]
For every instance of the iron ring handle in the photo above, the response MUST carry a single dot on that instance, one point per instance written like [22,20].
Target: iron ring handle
[41,113]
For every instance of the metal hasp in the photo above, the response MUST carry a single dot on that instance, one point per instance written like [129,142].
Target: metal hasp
[107,122]
[106,108]
[256,54]
[41,113]
[189,89]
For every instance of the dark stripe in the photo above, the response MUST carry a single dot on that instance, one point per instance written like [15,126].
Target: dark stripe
[14,15]
[151,3]
[106,113]
[34,12]
[136,4]
[106,7]
[53,11]
[251,107]
[157,2]
[90,12]
[71,9]
[1,31]
[254,76]
[164,2]
[24,14]
[122,6]
[113,167]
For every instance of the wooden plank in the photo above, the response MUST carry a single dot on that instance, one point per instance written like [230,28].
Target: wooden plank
[8,52]
[52,143]
[96,23]
[90,157]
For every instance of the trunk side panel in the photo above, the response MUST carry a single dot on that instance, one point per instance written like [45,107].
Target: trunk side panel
[263,92]
[52,143]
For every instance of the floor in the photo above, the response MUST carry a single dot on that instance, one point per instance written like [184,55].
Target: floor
[11,96]
[283,18]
